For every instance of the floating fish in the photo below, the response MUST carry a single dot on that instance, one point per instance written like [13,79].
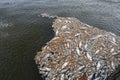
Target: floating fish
[81,68]
[80,44]
[63,27]
[91,77]
[45,69]
[64,65]
[98,36]
[98,65]
[114,40]
[62,77]
[89,56]
[112,50]
[55,38]
[78,34]
[77,51]
[66,21]
[86,45]
[98,78]
[46,56]
[114,53]
[97,51]
[95,54]
[113,65]
[57,32]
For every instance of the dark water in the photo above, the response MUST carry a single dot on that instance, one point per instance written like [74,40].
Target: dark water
[23,33]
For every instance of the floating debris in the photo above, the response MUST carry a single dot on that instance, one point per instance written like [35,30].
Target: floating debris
[78,52]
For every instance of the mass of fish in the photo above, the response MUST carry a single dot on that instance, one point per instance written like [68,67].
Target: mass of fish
[78,52]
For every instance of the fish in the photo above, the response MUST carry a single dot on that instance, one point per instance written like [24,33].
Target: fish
[57,32]
[78,34]
[87,53]
[78,51]
[54,38]
[63,27]
[62,77]
[44,69]
[98,36]
[114,40]
[98,65]
[113,65]
[81,68]
[114,53]
[59,20]
[66,32]
[112,50]
[68,45]
[97,51]
[66,21]
[89,56]
[46,56]
[80,44]
[64,65]
[86,45]
[97,78]
[91,77]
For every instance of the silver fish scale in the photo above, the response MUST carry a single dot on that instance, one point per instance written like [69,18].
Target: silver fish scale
[78,52]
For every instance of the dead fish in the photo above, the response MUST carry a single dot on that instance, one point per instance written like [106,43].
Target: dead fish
[68,40]
[114,53]
[98,65]
[89,56]
[83,27]
[113,65]
[87,25]
[80,44]
[114,40]
[78,34]
[112,50]
[112,34]
[68,45]
[86,45]
[97,78]
[48,69]
[45,69]
[78,51]
[56,32]
[59,20]
[103,45]
[64,70]
[46,56]
[62,77]
[66,21]
[63,27]
[66,32]
[81,68]
[55,38]
[91,77]
[98,36]
[64,65]
[97,51]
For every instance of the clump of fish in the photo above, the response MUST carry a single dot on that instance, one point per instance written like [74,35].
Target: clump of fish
[78,52]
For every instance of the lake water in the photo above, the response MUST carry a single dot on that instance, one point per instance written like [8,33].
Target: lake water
[23,33]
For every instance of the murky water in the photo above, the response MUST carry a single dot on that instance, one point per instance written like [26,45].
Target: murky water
[23,33]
